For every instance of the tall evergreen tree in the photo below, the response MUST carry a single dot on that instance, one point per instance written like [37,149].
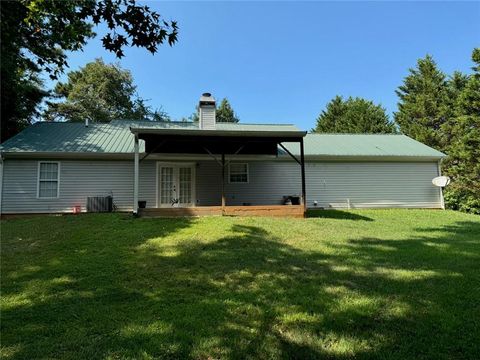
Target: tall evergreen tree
[225,112]
[328,118]
[424,103]
[463,145]
[354,115]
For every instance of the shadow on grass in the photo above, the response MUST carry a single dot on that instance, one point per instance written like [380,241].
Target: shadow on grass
[247,295]
[336,214]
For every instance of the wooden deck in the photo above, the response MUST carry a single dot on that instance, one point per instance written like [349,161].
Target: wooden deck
[257,210]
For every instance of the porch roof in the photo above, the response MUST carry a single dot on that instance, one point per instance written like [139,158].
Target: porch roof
[276,131]
[251,140]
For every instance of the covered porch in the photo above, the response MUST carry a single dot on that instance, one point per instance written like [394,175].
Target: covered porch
[231,180]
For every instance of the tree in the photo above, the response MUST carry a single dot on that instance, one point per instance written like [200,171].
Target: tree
[329,119]
[36,33]
[225,112]
[469,98]
[100,92]
[354,115]
[25,95]
[424,103]
[463,146]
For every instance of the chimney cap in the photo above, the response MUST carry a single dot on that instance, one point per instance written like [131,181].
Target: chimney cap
[207,99]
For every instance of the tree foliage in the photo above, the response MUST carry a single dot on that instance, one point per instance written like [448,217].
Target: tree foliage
[424,103]
[462,134]
[354,115]
[99,92]
[225,112]
[444,112]
[35,35]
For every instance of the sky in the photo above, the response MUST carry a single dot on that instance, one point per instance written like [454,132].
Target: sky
[282,62]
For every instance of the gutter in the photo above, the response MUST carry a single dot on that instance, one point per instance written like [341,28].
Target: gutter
[130,155]
[67,155]
[218,133]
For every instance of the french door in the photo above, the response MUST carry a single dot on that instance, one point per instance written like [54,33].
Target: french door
[176,185]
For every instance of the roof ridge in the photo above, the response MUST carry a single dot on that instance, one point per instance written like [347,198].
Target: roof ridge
[67,123]
[266,124]
[357,134]
[149,121]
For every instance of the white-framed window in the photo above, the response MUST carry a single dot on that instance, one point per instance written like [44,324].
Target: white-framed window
[238,173]
[48,183]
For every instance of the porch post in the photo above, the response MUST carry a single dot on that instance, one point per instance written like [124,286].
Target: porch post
[135,177]
[302,165]
[223,183]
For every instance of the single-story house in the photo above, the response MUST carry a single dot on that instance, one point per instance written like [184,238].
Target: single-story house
[182,168]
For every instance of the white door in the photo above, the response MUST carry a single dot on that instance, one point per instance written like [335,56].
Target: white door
[176,185]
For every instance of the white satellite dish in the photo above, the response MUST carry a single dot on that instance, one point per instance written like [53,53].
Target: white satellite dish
[441,181]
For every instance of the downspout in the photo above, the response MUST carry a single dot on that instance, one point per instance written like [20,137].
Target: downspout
[302,168]
[223,183]
[1,181]
[135,176]
[439,172]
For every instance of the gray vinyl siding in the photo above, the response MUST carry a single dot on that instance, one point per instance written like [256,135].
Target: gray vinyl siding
[268,182]
[78,180]
[207,117]
[340,184]
[372,184]
[331,184]
[208,183]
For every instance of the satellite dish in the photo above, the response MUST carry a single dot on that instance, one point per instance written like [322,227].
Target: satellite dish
[441,181]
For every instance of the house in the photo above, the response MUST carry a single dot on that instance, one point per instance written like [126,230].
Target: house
[183,168]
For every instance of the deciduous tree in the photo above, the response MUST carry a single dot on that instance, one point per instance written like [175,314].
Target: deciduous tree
[35,35]
[100,92]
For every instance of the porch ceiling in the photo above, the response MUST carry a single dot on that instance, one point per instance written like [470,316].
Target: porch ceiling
[215,141]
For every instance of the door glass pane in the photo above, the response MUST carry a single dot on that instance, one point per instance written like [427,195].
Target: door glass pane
[166,185]
[185,184]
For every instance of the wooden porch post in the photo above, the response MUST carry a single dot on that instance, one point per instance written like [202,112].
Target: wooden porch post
[135,177]
[302,165]
[223,183]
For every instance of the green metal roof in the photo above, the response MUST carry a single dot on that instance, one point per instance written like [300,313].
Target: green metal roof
[113,137]
[364,145]
[116,138]
[218,126]
[72,137]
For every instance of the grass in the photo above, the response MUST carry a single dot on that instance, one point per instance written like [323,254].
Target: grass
[386,284]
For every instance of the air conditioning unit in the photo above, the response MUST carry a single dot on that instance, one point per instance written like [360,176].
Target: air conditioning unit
[99,204]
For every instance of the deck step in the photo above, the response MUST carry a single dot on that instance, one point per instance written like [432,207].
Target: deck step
[256,210]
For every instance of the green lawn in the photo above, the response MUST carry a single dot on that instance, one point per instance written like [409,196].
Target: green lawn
[389,284]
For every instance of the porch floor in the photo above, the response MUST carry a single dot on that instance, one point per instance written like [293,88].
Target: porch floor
[256,210]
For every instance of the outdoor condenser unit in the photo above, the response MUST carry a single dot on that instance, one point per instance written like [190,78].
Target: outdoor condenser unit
[99,204]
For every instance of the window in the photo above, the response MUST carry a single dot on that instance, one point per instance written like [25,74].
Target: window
[238,173]
[48,179]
